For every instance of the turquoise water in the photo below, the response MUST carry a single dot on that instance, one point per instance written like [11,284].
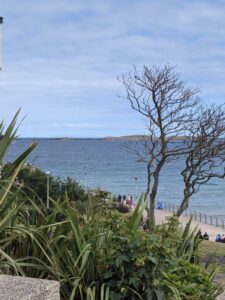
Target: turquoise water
[108,165]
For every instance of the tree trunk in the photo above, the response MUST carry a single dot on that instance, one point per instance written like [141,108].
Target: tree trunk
[150,212]
[183,206]
[148,183]
[151,215]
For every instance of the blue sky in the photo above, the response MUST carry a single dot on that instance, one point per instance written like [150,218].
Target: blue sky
[61,59]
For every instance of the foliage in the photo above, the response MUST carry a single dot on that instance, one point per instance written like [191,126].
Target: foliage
[124,208]
[97,253]
[143,266]
[34,184]
[100,250]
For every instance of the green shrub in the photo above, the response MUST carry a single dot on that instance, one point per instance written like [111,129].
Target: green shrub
[34,185]
[94,252]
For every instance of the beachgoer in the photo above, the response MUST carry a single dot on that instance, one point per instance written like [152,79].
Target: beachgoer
[119,198]
[206,236]
[129,200]
[124,199]
[200,235]
[218,238]
[159,205]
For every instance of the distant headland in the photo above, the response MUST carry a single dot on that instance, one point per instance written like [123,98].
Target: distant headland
[137,137]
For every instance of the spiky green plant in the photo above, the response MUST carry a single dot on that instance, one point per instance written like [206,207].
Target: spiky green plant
[9,208]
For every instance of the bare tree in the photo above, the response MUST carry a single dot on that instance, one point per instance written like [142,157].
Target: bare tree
[206,157]
[168,106]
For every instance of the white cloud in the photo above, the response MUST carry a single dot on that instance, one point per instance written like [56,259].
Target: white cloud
[61,58]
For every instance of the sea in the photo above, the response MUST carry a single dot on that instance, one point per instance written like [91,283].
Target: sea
[108,165]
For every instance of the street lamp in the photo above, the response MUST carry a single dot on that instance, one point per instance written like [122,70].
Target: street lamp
[1,22]
[48,173]
[136,179]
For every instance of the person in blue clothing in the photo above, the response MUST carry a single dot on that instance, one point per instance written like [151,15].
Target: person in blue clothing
[218,238]
[159,205]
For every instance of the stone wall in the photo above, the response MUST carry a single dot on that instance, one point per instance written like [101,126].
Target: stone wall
[23,288]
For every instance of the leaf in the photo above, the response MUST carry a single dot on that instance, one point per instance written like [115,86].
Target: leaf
[120,259]
[137,214]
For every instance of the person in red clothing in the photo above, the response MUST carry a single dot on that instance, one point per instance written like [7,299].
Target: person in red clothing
[129,200]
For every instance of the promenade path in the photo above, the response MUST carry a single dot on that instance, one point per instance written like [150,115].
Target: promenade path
[160,217]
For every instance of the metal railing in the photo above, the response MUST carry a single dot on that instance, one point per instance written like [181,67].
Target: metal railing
[198,216]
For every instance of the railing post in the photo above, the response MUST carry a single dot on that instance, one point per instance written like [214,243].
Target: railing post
[195,215]
[211,220]
[223,223]
[205,219]
[216,222]
[200,217]
[169,206]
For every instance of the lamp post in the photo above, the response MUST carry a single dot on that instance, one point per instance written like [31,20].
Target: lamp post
[48,173]
[1,22]
[135,180]
[86,182]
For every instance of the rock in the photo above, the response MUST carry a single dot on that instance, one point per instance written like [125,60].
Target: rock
[24,288]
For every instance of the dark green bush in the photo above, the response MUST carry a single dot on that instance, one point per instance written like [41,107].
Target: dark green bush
[34,185]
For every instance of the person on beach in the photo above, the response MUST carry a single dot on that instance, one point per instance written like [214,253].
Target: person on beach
[205,236]
[222,239]
[119,198]
[159,205]
[129,200]
[218,238]
[200,234]
[124,200]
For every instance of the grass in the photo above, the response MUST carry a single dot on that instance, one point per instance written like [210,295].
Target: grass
[212,248]
[217,250]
